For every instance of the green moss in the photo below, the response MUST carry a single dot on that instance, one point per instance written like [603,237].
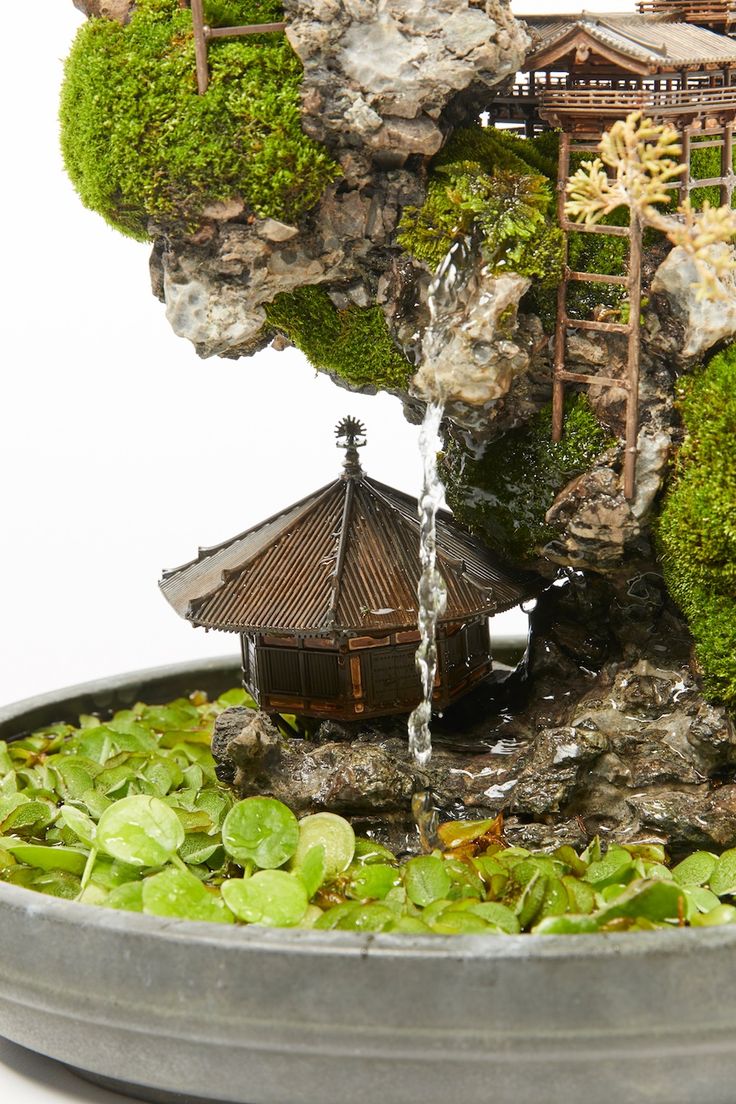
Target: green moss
[354,343]
[697,527]
[503,495]
[481,181]
[139,142]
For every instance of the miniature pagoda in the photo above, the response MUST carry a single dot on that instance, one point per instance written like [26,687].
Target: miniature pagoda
[324,598]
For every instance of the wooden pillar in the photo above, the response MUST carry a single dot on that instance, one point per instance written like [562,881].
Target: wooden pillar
[685,179]
[558,386]
[632,398]
[727,165]
[200,46]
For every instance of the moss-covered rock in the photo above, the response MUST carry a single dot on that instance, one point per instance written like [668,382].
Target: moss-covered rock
[697,527]
[503,494]
[353,343]
[139,142]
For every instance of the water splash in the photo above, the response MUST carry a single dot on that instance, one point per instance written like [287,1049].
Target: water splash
[444,300]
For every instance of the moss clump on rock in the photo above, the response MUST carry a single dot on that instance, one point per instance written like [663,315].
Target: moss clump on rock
[139,142]
[354,343]
[697,527]
[503,495]
[481,181]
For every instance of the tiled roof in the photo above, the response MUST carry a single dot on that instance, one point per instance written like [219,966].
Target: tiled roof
[345,560]
[648,39]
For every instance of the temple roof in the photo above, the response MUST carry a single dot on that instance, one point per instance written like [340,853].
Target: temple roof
[649,42]
[343,561]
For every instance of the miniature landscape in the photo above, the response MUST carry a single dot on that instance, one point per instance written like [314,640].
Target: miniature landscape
[307,186]
[128,814]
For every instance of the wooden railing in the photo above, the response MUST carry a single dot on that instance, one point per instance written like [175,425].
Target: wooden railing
[203,34]
[619,101]
[709,12]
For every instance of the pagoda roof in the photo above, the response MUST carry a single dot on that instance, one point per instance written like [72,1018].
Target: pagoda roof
[344,561]
[641,43]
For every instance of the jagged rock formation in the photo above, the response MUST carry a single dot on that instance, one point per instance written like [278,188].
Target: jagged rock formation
[379,76]
[609,735]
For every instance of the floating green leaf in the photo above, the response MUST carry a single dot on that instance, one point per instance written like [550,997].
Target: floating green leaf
[261,830]
[141,830]
[271,897]
[426,880]
[334,833]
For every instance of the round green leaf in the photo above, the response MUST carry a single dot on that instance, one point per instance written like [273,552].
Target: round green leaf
[426,880]
[723,914]
[260,830]
[334,833]
[178,893]
[373,882]
[141,830]
[723,879]
[271,897]
[498,915]
[696,869]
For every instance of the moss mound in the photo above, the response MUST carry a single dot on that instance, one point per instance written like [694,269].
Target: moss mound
[498,185]
[503,495]
[697,527]
[354,343]
[139,142]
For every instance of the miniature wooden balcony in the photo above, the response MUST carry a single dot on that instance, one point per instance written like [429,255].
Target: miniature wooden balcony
[581,109]
[705,13]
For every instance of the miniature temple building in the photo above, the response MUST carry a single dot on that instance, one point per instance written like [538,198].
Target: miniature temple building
[585,71]
[324,598]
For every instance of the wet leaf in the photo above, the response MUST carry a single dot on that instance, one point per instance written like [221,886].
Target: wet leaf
[334,833]
[47,858]
[356,917]
[141,830]
[368,851]
[313,869]
[531,900]
[372,882]
[723,879]
[498,915]
[83,827]
[566,925]
[696,869]
[261,830]
[722,914]
[460,923]
[271,897]
[651,900]
[198,847]
[178,893]
[426,880]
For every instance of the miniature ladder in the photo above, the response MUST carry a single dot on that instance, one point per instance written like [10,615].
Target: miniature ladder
[632,283]
[203,34]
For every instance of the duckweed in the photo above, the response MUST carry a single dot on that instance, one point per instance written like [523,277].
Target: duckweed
[127,813]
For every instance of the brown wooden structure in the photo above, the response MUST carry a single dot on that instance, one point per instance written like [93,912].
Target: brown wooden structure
[324,598]
[583,73]
[203,35]
[718,14]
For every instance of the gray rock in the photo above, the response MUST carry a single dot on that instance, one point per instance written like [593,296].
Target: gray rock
[706,322]
[106,9]
[378,75]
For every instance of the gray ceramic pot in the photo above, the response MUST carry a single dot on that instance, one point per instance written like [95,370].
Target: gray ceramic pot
[171,1010]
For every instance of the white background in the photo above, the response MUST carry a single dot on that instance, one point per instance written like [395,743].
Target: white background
[120,451]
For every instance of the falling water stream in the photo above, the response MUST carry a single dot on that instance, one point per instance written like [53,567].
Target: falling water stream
[443,299]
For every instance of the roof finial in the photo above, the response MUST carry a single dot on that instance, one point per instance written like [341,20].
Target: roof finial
[350,433]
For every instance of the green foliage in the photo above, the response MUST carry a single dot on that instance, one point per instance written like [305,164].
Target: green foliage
[697,526]
[139,142]
[480,180]
[354,343]
[473,883]
[503,494]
